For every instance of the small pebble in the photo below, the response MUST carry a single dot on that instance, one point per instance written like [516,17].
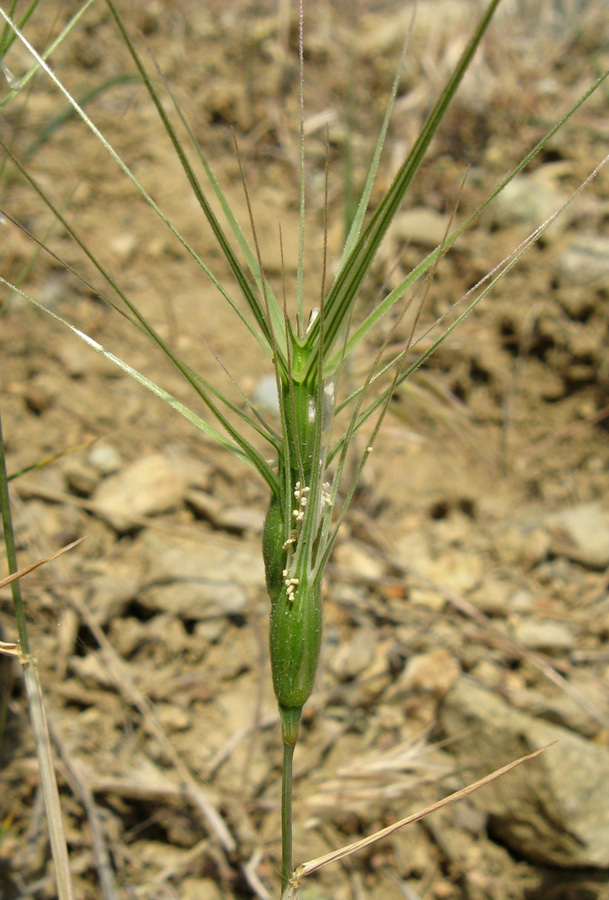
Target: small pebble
[105,458]
[543,635]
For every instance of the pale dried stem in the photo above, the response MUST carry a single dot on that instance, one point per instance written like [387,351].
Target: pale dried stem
[47,778]
[41,562]
[313,865]
[81,788]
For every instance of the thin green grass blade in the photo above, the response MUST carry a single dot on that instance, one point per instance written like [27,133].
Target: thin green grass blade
[370,322]
[274,310]
[29,13]
[349,188]
[258,424]
[137,184]
[7,35]
[330,528]
[236,268]
[490,280]
[302,185]
[362,206]
[9,24]
[47,460]
[42,246]
[11,552]
[66,114]
[242,449]
[201,386]
[330,540]
[345,289]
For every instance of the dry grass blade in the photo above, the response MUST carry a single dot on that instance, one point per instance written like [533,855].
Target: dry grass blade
[41,562]
[48,782]
[33,690]
[10,649]
[313,865]
[82,789]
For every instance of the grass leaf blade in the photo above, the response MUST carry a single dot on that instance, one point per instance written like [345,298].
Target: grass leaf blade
[346,287]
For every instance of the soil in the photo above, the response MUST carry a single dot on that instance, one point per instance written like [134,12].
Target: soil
[454,564]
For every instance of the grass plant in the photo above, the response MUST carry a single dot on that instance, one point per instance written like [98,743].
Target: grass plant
[21,651]
[305,464]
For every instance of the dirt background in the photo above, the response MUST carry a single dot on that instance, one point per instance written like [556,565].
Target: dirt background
[467,604]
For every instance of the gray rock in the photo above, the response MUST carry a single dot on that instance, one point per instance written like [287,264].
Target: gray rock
[357,559]
[91,670]
[145,488]
[82,479]
[200,889]
[421,226]
[353,656]
[199,578]
[105,458]
[455,570]
[237,519]
[586,260]
[553,810]
[568,711]
[550,636]
[204,505]
[582,534]
[201,599]
[531,199]
[492,597]
[434,672]
[113,590]
[240,519]
[521,601]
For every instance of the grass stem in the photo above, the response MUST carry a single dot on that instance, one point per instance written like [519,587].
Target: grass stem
[35,702]
[286,815]
[11,555]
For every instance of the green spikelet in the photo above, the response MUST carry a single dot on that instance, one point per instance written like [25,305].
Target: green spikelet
[273,553]
[295,639]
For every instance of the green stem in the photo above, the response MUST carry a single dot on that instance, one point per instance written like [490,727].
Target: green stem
[11,554]
[286,815]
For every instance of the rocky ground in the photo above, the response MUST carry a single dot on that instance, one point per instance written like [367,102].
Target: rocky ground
[467,602]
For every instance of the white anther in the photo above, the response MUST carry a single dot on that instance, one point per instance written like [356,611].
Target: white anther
[291,584]
[299,494]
